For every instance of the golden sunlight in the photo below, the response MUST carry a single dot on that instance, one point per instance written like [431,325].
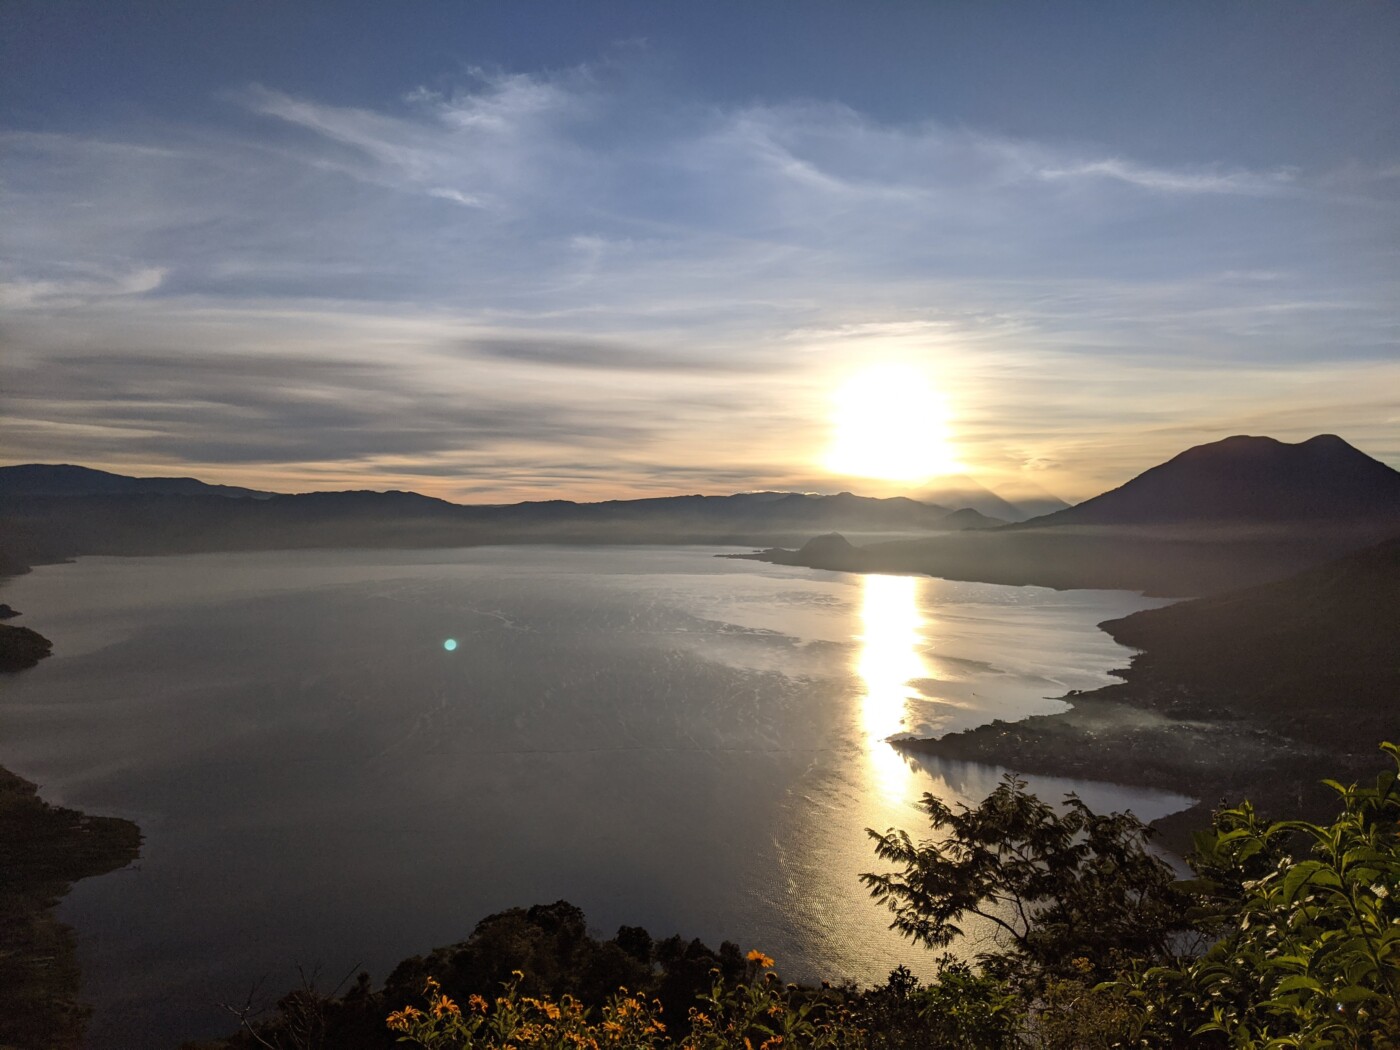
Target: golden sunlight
[890,658]
[889,423]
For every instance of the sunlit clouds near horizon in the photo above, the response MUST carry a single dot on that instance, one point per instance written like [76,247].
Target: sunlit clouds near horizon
[506,279]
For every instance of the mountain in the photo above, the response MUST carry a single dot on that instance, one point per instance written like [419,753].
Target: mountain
[1032,500]
[1253,480]
[63,479]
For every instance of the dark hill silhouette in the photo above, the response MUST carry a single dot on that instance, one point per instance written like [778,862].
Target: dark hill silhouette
[1255,693]
[1256,480]
[64,479]
[1281,648]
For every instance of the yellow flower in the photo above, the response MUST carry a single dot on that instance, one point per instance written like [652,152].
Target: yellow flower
[757,956]
[444,1005]
[477,1003]
[402,1020]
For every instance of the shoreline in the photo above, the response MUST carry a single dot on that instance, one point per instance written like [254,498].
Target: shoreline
[45,849]
[1127,733]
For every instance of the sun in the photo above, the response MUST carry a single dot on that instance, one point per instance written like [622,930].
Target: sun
[888,422]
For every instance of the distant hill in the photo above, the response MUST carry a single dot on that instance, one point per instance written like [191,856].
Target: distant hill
[967,518]
[63,479]
[1255,480]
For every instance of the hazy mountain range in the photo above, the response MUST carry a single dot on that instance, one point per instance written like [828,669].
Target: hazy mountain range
[1234,512]
[49,512]
[63,479]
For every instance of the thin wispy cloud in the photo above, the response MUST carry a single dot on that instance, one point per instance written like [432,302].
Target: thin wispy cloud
[1175,181]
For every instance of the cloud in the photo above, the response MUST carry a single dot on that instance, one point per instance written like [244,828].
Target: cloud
[491,281]
[66,290]
[470,147]
[574,353]
[1175,181]
[444,193]
[282,408]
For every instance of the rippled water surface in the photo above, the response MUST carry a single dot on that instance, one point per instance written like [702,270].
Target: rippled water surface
[662,737]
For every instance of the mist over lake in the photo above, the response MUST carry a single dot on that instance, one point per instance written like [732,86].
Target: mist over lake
[663,737]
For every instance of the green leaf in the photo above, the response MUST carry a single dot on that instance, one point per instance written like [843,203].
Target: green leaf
[1297,983]
[1353,993]
[1310,873]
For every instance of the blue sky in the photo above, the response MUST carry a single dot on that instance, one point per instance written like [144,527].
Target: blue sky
[511,250]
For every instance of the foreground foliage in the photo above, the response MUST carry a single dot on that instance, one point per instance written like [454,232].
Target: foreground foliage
[1309,926]
[962,1009]
[1061,890]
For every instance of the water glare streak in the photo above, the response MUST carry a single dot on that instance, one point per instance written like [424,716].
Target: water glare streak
[891,656]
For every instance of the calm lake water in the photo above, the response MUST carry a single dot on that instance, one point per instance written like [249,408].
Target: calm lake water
[662,737]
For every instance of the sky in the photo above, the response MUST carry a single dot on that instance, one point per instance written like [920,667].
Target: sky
[493,251]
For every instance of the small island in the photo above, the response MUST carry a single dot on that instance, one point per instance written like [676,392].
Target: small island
[21,647]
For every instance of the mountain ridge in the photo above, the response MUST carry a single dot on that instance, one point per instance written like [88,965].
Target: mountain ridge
[68,479]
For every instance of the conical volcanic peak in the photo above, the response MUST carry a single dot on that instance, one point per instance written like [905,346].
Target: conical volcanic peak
[1257,480]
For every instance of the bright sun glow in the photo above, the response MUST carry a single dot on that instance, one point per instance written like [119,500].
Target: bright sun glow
[890,423]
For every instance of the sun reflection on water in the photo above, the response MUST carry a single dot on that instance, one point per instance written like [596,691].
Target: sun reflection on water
[891,657]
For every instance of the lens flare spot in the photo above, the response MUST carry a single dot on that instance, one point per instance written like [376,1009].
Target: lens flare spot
[450,644]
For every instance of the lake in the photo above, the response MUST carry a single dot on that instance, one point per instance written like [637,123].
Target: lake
[342,758]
